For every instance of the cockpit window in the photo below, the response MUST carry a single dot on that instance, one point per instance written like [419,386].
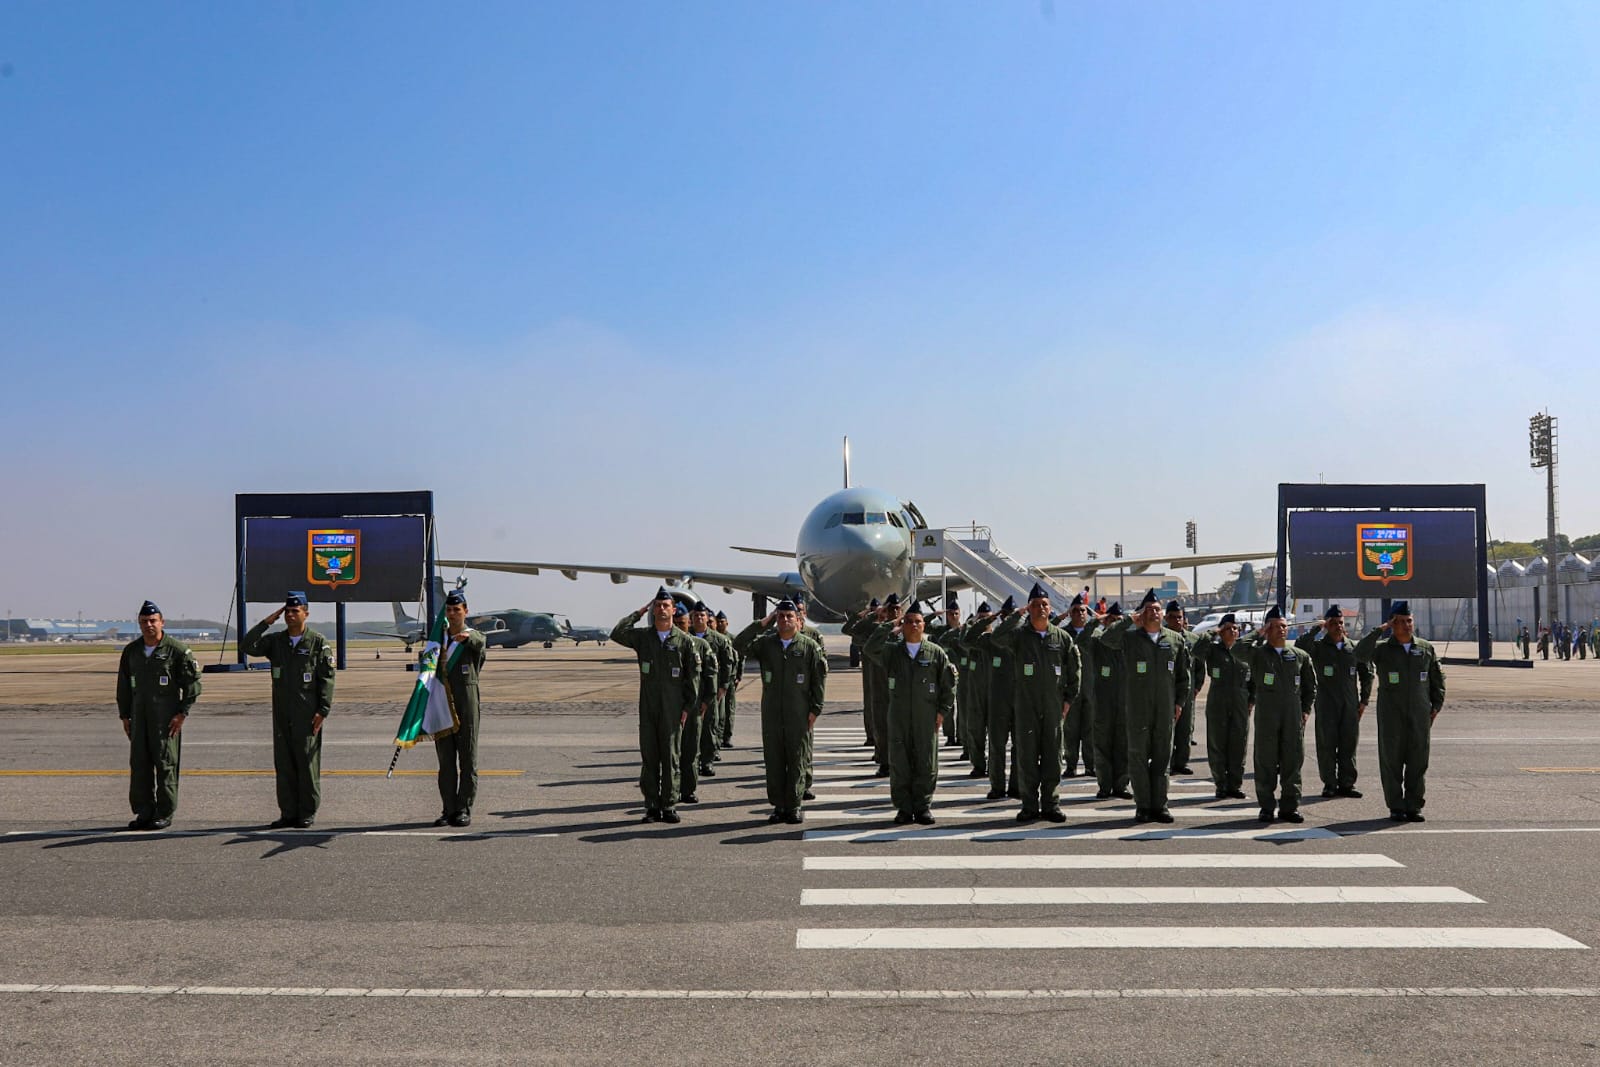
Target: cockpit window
[833,520]
[894,520]
[877,518]
[855,518]
[863,518]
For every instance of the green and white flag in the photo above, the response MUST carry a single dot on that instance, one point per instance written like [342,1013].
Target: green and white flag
[431,712]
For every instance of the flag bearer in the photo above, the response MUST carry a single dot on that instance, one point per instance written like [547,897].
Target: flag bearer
[460,662]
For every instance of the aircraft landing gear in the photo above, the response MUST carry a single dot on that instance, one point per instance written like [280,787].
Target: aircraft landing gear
[549,644]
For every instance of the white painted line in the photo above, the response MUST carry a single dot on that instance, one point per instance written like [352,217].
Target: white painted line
[1201,993]
[140,835]
[1192,861]
[1019,895]
[1121,811]
[1414,829]
[1073,833]
[1061,937]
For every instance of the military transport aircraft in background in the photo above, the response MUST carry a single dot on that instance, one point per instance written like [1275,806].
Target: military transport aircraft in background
[579,634]
[511,628]
[856,544]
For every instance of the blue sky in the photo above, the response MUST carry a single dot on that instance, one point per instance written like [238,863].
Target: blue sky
[614,278]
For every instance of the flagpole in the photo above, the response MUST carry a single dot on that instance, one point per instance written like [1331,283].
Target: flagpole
[393,762]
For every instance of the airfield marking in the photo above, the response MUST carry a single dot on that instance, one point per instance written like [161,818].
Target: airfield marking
[1115,894]
[1202,993]
[1561,770]
[244,774]
[1161,937]
[1192,861]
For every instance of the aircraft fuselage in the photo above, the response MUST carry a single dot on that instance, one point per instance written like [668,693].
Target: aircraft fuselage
[856,545]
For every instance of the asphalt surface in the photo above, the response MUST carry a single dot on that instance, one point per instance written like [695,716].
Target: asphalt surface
[561,929]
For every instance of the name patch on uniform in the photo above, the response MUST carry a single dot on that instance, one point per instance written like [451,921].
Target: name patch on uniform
[163,680]
[1058,671]
[799,679]
[677,672]
[1216,672]
[1327,672]
[1268,679]
[644,668]
[1141,668]
[891,683]
[1105,672]
[1394,677]
[766,677]
[277,672]
[1171,666]
[306,677]
[997,661]
[1027,670]
[1422,676]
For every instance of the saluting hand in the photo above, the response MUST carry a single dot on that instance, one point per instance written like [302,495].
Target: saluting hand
[274,617]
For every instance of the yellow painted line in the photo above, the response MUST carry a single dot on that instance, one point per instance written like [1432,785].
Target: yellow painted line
[1561,770]
[242,774]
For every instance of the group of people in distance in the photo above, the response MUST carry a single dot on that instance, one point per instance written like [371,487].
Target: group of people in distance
[1027,691]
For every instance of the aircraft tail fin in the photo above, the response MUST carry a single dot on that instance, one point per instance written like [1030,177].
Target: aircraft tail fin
[1244,590]
[400,616]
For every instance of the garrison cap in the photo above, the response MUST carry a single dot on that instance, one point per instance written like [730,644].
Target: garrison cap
[1333,612]
[700,605]
[985,609]
[913,608]
[148,608]
[455,596]
[799,600]
[1009,606]
[1078,600]
[1274,612]
[1038,593]
[1230,617]
[1173,605]
[1401,607]
[952,604]
[873,603]
[662,594]
[678,609]
[1149,598]
[721,615]
[893,601]
[295,599]
[785,605]
[1115,609]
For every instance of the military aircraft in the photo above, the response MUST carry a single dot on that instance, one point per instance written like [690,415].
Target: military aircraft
[855,545]
[511,628]
[579,634]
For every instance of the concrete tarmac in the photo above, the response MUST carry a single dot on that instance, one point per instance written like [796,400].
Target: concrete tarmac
[560,929]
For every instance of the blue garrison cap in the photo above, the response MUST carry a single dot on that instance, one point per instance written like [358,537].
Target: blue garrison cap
[1333,612]
[1274,612]
[785,604]
[1173,605]
[1078,600]
[722,615]
[1009,606]
[1230,617]
[893,601]
[662,594]
[455,596]
[1401,607]
[799,599]
[873,603]
[985,609]
[1038,593]
[700,605]
[1115,609]
[1149,598]
[912,607]
[679,609]
[149,608]
[295,599]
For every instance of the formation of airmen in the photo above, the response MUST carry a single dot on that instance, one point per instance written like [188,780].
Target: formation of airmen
[1024,693]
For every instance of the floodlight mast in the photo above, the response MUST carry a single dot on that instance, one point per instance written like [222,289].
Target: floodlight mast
[1543,451]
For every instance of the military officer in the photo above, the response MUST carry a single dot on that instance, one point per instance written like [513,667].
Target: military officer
[689,766]
[1156,673]
[1344,686]
[858,630]
[720,662]
[1410,696]
[1110,722]
[1223,659]
[302,699]
[806,628]
[1183,729]
[1285,684]
[460,661]
[949,639]
[975,677]
[1002,686]
[1077,731]
[1047,675]
[922,689]
[731,700]
[670,670]
[793,687]
[158,682]
[889,616]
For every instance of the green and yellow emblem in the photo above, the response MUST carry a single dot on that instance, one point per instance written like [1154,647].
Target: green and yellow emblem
[333,557]
[1384,552]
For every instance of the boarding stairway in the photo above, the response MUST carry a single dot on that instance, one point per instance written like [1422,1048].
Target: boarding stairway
[971,554]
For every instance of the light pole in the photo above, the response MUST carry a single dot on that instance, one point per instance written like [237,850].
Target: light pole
[1192,543]
[1543,452]
[1122,593]
[1095,578]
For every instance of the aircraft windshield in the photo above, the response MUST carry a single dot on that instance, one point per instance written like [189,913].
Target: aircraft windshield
[862,518]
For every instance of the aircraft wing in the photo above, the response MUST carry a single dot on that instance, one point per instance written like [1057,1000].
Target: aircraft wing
[1086,568]
[771,585]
